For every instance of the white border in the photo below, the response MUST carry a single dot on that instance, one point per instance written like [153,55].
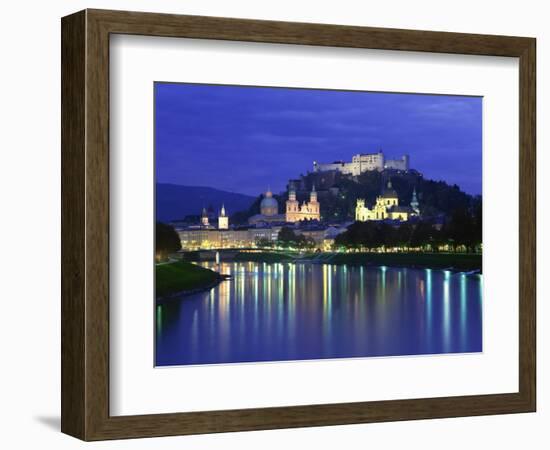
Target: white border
[138,388]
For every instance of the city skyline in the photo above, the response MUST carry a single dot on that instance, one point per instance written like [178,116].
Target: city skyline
[244,139]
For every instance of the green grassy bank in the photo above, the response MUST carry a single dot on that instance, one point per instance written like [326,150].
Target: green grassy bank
[457,261]
[182,276]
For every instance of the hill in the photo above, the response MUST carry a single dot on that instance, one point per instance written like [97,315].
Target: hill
[174,201]
[338,194]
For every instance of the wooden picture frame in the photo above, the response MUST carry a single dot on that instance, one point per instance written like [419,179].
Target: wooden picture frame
[85,224]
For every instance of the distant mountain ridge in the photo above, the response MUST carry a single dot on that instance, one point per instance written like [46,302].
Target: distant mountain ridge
[174,201]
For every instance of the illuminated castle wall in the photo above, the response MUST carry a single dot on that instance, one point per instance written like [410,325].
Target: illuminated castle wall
[364,162]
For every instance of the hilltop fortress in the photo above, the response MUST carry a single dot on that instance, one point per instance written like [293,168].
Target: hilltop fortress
[364,162]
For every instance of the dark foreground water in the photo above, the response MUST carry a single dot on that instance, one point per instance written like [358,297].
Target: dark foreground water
[275,312]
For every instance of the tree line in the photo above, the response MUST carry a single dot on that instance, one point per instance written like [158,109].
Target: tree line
[435,197]
[463,231]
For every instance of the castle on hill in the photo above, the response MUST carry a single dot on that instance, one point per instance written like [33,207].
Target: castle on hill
[364,162]
[387,207]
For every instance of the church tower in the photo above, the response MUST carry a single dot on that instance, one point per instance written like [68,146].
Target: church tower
[313,195]
[314,204]
[204,218]
[414,203]
[292,206]
[223,220]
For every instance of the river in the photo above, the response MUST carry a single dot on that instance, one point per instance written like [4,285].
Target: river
[277,312]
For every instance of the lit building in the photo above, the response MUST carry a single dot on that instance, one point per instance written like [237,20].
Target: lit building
[269,206]
[269,211]
[364,162]
[200,238]
[206,236]
[223,220]
[386,207]
[306,211]
[205,221]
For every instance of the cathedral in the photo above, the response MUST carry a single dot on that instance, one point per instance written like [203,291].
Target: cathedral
[387,207]
[306,211]
[269,211]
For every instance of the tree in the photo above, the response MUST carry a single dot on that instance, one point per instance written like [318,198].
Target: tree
[423,234]
[463,228]
[288,238]
[403,235]
[264,243]
[167,240]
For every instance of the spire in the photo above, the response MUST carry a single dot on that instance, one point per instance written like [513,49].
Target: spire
[414,203]
[389,184]
[222,212]
[291,192]
[313,194]
[204,218]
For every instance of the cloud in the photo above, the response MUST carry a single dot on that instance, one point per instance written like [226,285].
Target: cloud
[246,136]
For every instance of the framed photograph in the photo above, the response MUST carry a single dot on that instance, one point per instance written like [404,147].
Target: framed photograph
[273,225]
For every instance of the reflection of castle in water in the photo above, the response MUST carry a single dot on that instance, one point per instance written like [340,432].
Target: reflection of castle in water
[338,308]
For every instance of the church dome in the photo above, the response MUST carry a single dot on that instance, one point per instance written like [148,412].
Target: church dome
[389,192]
[269,206]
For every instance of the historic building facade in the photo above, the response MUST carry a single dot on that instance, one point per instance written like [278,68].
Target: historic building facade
[364,162]
[269,211]
[200,238]
[269,206]
[223,220]
[296,212]
[386,207]
[205,220]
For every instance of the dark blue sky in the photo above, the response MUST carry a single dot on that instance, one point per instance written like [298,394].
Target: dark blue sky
[242,139]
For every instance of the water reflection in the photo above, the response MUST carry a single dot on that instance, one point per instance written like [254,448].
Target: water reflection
[272,312]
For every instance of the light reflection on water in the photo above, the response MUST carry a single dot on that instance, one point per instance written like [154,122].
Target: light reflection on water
[274,312]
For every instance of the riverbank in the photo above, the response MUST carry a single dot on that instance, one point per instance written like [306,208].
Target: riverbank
[463,262]
[183,278]
[267,257]
[451,261]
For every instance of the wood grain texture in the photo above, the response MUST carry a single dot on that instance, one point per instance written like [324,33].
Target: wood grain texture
[527,223]
[85,224]
[73,109]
